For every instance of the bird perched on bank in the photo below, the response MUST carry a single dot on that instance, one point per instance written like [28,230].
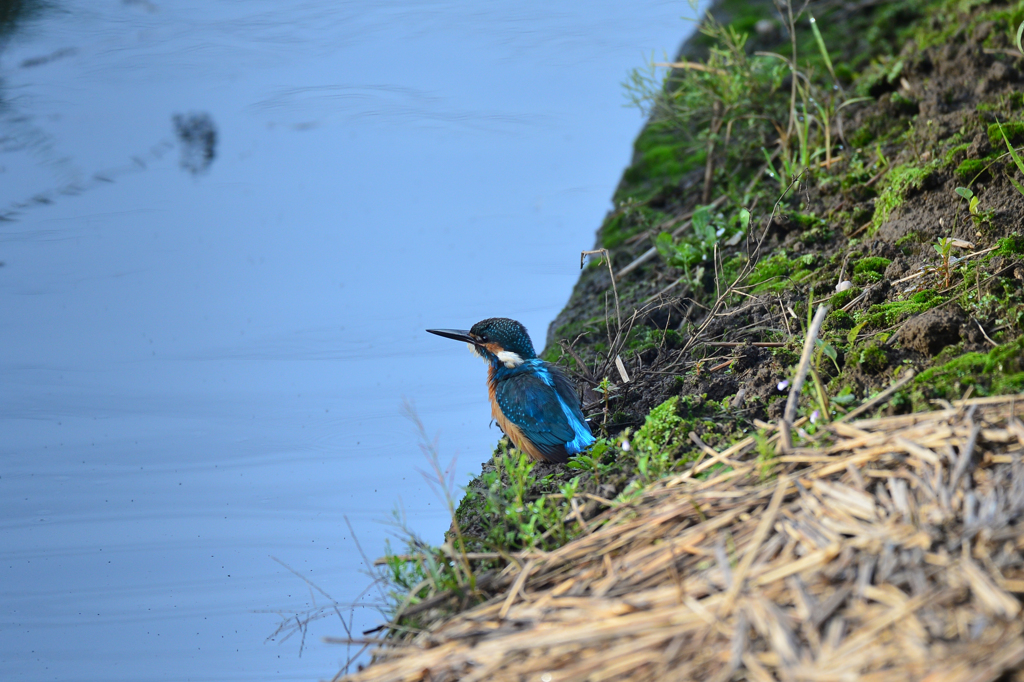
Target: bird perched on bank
[534,403]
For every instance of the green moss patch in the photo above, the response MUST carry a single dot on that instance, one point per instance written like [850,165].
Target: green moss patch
[779,272]
[660,161]
[970,169]
[1010,246]
[841,298]
[1001,370]
[901,181]
[873,359]
[838,320]
[875,264]
[955,152]
[1014,132]
[888,314]
[870,270]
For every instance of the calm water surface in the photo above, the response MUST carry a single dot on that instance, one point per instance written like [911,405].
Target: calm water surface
[207,331]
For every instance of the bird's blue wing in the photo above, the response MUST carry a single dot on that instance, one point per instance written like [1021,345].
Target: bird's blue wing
[543,405]
[533,406]
[567,392]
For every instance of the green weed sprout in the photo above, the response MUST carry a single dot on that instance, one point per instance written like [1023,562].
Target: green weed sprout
[971,197]
[744,219]
[1013,152]
[695,251]
[593,460]
[703,227]
[944,247]
[977,215]
[881,155]
[1020,34]
[821,46]
[766,455]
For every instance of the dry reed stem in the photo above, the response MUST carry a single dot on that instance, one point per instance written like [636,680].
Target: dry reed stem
[893,551]
[798,381]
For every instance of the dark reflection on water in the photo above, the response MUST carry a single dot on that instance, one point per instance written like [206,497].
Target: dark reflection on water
[202,373]
[198,138]
[13,11]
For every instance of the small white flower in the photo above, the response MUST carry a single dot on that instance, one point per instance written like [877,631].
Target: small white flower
[625,445]
[783,384]
[843,286]
[815,416]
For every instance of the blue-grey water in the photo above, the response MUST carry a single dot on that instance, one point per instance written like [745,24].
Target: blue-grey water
[209,324]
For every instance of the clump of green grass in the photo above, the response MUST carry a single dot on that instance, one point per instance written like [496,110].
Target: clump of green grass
[708,229]
[657,440]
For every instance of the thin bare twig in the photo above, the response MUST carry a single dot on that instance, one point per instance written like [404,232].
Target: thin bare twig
[611,274]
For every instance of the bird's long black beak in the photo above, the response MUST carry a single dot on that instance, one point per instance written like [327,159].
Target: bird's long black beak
[456,334]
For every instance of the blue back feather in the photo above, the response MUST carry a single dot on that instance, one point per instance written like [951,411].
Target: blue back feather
[539,399]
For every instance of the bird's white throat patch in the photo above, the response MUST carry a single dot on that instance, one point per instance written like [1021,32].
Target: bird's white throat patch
[505,357]
[510,359]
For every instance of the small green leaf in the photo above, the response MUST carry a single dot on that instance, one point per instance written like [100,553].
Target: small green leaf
[844,399]
[1020,34]
[665,245]
[1013,153]
[821,46]
[974,206]
[881,155]
[964,192]
[1017,185]
[701,218]
[744,218]
[938,249]
[895,71]
[702,226]
[769,168]
[852,336]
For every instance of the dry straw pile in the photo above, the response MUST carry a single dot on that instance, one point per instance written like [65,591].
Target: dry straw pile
[891,551]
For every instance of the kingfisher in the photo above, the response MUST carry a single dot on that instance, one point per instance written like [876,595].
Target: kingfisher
[533,401]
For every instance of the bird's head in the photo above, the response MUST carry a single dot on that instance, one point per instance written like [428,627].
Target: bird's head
[498,340]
